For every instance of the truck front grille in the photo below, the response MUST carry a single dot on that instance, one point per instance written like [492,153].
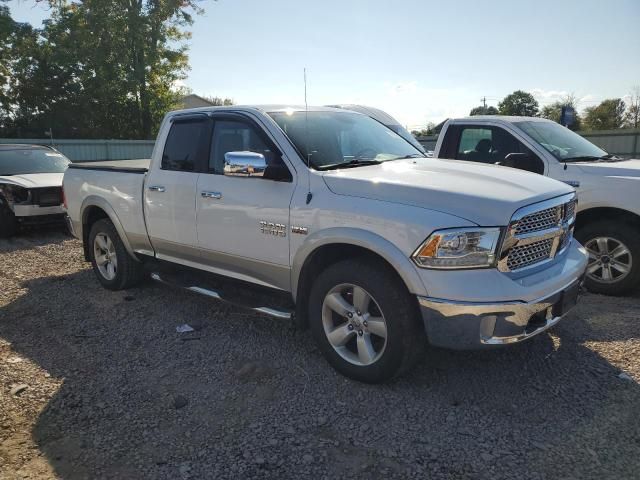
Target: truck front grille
[523,256]
[545,219]
[537,233]
[47,197]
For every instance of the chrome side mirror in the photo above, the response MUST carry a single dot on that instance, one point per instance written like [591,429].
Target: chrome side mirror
[244,164]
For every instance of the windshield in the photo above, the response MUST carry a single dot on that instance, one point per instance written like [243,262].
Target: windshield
[31,160]
[561,142]
[339,139]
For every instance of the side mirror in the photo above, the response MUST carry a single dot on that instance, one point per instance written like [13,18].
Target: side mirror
[524,161]
[244,164]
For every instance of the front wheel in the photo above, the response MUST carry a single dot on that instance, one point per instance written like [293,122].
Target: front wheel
[614,256]
[364,321]
[112,264]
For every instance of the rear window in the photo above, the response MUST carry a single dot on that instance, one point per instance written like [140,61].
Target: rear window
[22,161]
[182,145]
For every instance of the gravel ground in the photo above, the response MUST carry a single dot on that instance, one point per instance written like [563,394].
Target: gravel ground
[98,384]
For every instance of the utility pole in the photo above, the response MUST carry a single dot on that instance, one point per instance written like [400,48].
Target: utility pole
[484,102]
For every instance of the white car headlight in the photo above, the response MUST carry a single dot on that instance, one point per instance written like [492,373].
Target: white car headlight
[459,248]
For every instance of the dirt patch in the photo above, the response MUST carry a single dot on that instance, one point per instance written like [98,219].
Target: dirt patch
[98,384]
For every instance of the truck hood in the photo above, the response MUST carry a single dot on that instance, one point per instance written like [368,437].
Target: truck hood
[625,168]
[487,195]
[34,180]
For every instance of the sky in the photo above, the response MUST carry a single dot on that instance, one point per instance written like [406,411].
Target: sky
[420,60]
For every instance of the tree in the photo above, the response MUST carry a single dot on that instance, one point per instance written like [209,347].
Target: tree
[429,130]
[101,68]
[553,111]
[484,110]
[609,115]
[219,101]
[632,118]
[519,103]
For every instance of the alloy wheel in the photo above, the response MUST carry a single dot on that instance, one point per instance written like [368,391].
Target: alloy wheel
[104,252]
[610,260]
[354,324]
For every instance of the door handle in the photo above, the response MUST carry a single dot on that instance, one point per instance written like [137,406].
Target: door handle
[214,195]
[157,188]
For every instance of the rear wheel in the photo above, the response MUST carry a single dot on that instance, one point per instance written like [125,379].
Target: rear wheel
[364,321]
[112,264]
[8,223]
[614,257]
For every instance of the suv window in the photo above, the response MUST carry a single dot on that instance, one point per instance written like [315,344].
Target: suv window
[181,148]
[488,145]
[237,136]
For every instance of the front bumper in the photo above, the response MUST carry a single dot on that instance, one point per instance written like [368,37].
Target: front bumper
[468,325]
[36,210]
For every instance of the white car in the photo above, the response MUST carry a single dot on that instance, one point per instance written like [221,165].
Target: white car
[608,187]
[30,186]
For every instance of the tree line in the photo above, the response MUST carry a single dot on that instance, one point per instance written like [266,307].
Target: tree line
[610,114]
[96,68]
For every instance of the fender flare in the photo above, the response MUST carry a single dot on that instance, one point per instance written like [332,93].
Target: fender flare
[101,203]
[373,242]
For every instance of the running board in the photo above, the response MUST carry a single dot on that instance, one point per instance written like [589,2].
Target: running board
[279,313]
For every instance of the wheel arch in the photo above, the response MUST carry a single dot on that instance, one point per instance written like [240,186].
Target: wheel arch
[94,209]
[591,215]
[329,248]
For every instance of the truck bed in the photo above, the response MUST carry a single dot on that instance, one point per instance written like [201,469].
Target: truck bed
[133,166]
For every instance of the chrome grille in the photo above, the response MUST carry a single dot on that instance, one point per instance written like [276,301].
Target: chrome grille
[523,256]
[570,210]
[535,222]
[537,234]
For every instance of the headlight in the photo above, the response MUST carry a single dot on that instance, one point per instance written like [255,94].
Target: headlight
[459,248]
[15,193]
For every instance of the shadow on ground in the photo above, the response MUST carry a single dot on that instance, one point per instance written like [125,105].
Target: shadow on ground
[259,400]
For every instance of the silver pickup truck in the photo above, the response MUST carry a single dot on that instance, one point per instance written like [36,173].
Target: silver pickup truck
[328,217]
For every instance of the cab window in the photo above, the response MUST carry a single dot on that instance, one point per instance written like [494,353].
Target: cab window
[495,145]
[236,136]
[182,145]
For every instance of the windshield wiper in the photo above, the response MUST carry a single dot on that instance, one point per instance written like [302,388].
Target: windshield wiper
[356,162]
[586,158]
[413,155]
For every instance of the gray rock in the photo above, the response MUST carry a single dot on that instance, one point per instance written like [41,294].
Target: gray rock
[18,389]
[179,402]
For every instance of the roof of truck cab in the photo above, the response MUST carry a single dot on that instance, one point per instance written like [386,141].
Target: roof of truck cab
[263,108]
[501,118]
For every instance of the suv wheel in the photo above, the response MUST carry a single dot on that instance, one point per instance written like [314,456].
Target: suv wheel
[112,264]
[364,321]
[614,257]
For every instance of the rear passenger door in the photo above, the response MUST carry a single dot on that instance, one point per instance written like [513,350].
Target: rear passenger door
[170,189]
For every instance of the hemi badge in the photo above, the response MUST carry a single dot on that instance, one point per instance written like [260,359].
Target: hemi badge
[300,230]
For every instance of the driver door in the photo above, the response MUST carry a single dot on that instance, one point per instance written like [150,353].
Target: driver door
[243,221]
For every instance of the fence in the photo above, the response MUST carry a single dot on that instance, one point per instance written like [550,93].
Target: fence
[93,150]
[623,142]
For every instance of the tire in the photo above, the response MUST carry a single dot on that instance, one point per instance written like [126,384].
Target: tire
[613,247]
[112,264]
[365,351]
[8,222]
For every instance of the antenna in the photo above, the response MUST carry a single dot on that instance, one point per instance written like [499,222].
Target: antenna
[306,138]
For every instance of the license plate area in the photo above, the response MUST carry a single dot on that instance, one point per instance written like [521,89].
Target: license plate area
[568,299]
